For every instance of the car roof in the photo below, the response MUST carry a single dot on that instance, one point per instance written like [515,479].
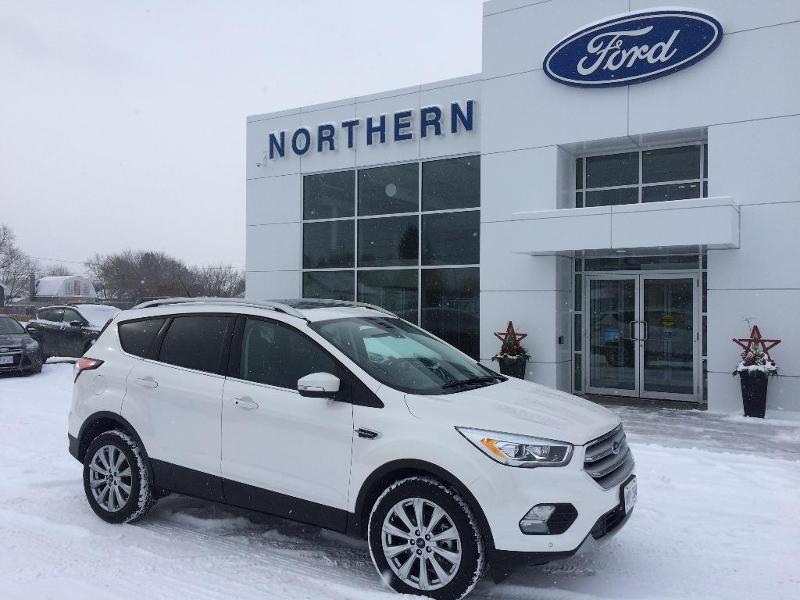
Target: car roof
[306,309]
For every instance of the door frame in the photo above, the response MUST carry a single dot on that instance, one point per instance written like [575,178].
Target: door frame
[638,277]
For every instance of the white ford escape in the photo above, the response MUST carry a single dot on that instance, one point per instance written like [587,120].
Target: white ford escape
[344,416]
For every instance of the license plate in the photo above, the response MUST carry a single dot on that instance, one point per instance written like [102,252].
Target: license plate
[6,360]
[629,495]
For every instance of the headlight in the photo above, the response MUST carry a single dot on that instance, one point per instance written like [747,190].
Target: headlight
[30,344]
[519,450]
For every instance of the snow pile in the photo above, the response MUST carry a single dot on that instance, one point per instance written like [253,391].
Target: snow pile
[716,519]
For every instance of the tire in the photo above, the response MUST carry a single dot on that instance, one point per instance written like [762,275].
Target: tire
[129,487]
[453,564]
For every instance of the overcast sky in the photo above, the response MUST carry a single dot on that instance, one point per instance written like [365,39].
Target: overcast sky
[122,123]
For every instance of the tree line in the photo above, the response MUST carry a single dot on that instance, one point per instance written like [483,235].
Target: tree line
[124,276]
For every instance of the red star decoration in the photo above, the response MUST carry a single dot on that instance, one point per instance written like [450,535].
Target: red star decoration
[510,335]
[755,339]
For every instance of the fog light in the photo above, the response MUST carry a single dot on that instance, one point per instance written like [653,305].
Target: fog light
[536,519]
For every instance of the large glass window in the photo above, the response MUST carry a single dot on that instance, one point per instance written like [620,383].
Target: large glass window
[395,289]
[451,238]
[335,285]
[279,355]
[375,258]
[195,342]
[328,244]
[388,190]
[329,195]
[612,170]
[451,307]
[451,183]
[656,175]
[388,242]
[671,164]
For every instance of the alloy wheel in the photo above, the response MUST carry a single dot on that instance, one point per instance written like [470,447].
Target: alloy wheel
[110,478]
[421,544]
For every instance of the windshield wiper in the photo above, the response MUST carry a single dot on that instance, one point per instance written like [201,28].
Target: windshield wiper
[474,381]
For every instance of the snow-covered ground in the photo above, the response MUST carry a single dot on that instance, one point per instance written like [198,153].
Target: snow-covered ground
[717,518]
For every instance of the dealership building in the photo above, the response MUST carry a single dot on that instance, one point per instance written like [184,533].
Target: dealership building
[621,181]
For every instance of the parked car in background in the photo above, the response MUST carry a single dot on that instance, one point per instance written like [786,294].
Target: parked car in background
[69,330]
[19,352]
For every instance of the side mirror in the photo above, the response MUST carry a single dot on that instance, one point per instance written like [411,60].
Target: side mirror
[318,385]
[76,323]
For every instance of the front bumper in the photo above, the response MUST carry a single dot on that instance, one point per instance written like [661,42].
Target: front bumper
[503,562]
[22,361]
[506,494]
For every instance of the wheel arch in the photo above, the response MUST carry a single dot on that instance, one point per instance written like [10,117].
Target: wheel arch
[101,422]
[384,476]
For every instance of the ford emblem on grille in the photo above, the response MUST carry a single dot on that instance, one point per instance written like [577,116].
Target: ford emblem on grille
[633,48]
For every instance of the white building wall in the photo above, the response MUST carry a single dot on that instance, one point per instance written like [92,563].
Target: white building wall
[745,94]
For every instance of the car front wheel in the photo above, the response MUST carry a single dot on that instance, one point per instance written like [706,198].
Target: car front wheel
[424,540]
[117,479]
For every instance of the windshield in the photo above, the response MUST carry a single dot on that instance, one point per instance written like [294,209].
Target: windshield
[10,326]
[98,315]
[405,357]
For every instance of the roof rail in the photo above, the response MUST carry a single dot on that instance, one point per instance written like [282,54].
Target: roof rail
[269,305]
[311,303]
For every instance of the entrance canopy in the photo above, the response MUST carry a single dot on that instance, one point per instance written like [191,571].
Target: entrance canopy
[709,222]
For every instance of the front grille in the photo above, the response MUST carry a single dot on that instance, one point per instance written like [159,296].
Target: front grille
[608,459]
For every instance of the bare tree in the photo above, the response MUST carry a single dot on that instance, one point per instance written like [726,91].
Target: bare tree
[57,270]
[130,275]
[223,281]
[15,265]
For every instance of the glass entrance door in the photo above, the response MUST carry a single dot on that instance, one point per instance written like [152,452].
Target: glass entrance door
[641,334]
[669,338]
[612,349]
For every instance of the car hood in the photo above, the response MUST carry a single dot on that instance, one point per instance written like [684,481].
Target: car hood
[520,407]
[12,339]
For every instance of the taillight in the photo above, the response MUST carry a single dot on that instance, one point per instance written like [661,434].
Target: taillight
[85,364]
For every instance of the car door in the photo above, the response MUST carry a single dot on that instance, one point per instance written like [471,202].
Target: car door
[282,452]
[174,401]
[47,329]
[72,337]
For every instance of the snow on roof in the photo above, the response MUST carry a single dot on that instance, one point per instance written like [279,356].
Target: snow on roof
[65,286]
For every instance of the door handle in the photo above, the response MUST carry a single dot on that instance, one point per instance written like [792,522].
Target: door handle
[147,382]
[245,402]
[646,331]
[631,325]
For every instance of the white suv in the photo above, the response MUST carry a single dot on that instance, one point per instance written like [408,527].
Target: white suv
[344,416]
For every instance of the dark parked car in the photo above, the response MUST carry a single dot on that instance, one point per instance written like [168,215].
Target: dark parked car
[69,330]
[19,352]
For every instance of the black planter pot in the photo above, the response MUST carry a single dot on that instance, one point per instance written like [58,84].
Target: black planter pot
[513,367]
[754,393]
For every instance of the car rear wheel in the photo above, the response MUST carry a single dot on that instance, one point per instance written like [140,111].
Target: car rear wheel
[424,540]
[117,478]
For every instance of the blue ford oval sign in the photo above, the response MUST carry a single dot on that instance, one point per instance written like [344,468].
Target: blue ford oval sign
[632,48]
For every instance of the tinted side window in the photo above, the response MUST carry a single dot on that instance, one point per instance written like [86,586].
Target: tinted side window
[195,342]
[52,314]
[137,337]
[71,315]
[278,355]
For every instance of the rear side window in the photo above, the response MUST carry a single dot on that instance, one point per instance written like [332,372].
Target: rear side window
[195,342]
[52,314]
[137,337]
[279,355]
